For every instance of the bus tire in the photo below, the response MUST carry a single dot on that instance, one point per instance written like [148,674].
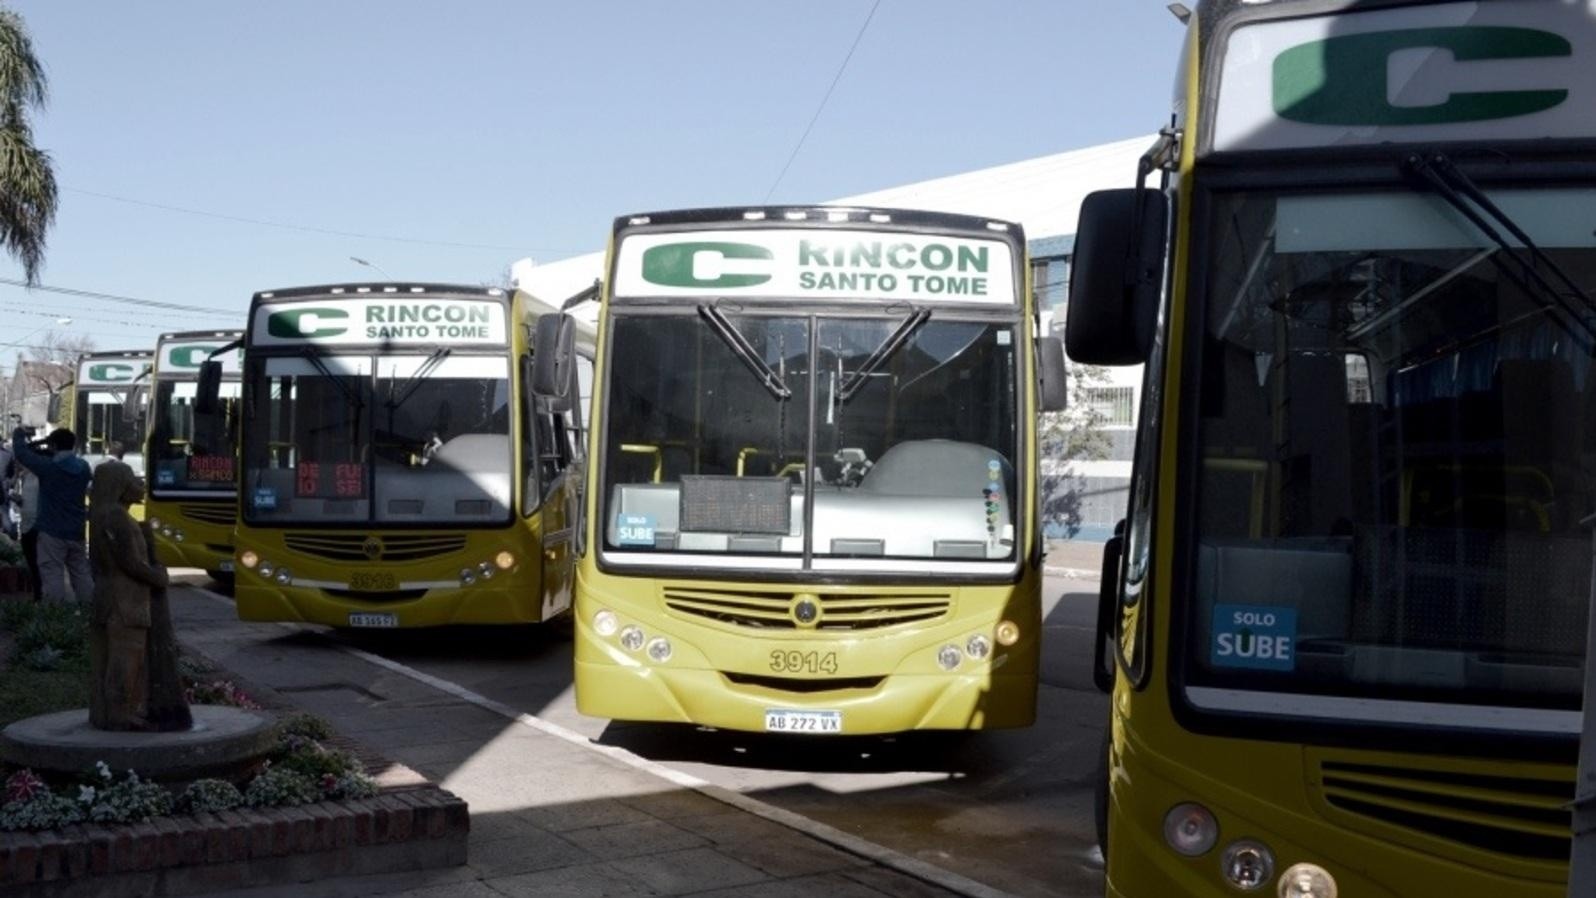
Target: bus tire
[1100,797]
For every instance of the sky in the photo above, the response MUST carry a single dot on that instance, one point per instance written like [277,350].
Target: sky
[207,150]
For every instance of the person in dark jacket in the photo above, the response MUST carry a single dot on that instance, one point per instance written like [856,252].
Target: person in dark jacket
[63,515]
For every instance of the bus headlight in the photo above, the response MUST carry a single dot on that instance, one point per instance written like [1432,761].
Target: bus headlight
[248,559]
[266,568]
[948,657]
[978,647]
[1247,865]
[284,576]
[178,535]
[632,638]
[1307,881]
[505,560]
[605,623]
[1008,633]
[485,571]
[468,576]
[1190,829]
[659,649]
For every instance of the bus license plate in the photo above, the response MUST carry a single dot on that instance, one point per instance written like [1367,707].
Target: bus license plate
[373,581]
[373,619]
[786,720]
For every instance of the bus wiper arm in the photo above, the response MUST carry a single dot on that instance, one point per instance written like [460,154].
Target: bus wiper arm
[739,345]
[888,348]
[314,358]
[1440,175]
[409,387]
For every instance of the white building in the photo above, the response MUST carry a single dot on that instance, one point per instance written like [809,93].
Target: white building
[1044,196]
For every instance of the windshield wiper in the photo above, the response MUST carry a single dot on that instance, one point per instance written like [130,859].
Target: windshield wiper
[888,348]
[409,387]
[1442,176]
[739,345]
[310,355]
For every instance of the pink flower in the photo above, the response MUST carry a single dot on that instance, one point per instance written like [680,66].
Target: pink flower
[24,786]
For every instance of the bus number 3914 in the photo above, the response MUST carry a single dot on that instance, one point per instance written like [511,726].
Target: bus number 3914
[803,662]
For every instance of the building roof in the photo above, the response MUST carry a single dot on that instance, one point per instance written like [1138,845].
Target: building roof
[1043,195]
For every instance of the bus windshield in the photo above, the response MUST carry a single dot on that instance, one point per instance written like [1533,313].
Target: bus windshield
[709,446]
[193,451]
[398,438]
[1395,449]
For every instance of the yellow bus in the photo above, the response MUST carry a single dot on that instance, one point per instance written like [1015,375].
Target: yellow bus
[812,504]
[395,469]
[104,406]
[1345,624]
[191,493]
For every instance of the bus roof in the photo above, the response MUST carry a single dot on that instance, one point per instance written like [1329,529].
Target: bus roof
[378,288]
[800,216]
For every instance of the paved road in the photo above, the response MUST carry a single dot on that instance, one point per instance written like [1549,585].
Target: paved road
[1011,809]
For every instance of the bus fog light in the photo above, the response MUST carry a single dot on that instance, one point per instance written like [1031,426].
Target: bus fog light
[166,532]
[468,576]
[248,559]
[284,576]
[485,571]
[605,623]
[266,568]
[632,638]
[155,524]
[948,657]
[1307,881]
[505,560]
[978,647]
[178,535]
[659,649]
[1247,865]
[1008,633]
[1190,829]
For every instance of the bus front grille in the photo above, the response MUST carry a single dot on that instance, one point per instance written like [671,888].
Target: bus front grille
[222,513]
[1519,816]
[393,547]
[795,684]
[841,611]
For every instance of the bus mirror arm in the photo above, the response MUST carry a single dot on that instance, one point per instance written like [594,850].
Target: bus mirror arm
[1107,601]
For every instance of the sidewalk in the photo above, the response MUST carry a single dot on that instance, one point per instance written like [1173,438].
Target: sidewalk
[1081,559]
[549,816]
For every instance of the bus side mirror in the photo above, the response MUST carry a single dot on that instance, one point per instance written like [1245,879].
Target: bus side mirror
[52,412]
[1116,277]
[1051,388]
[553,354]
[133,405]
[208,388]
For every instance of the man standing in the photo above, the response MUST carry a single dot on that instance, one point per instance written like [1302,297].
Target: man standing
[63,486]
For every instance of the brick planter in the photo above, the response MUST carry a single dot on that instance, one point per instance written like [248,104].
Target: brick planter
[409,825]
[407,829]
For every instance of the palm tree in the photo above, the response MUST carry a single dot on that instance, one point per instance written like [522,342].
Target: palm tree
[27,184]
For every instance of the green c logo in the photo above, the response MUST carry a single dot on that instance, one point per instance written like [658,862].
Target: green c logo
[189,356]
[1343,80]
[298,324]
[671,265]
[111,371]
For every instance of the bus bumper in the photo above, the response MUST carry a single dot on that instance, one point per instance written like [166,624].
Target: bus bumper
[614,683]
[475,604]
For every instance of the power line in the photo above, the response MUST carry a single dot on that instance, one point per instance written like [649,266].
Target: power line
[823,100]
[112,297]
[311,229]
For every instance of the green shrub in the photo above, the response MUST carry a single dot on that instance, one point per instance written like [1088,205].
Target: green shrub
[349,785]
[55,625]
[14,614]
[306,725]
[45,811]
[278,788]
[130,801]
[209,795]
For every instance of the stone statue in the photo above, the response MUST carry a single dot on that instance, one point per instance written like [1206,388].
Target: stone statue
[119,627]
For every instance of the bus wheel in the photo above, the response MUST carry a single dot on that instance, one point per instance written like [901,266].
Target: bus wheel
[1100,798]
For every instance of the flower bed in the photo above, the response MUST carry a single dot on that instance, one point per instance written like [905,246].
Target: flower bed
[311,811]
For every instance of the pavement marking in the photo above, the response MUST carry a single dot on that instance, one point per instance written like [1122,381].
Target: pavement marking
[852,844]
[1073,573]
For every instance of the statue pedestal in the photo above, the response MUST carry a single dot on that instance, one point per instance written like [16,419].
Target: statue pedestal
[224,742]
